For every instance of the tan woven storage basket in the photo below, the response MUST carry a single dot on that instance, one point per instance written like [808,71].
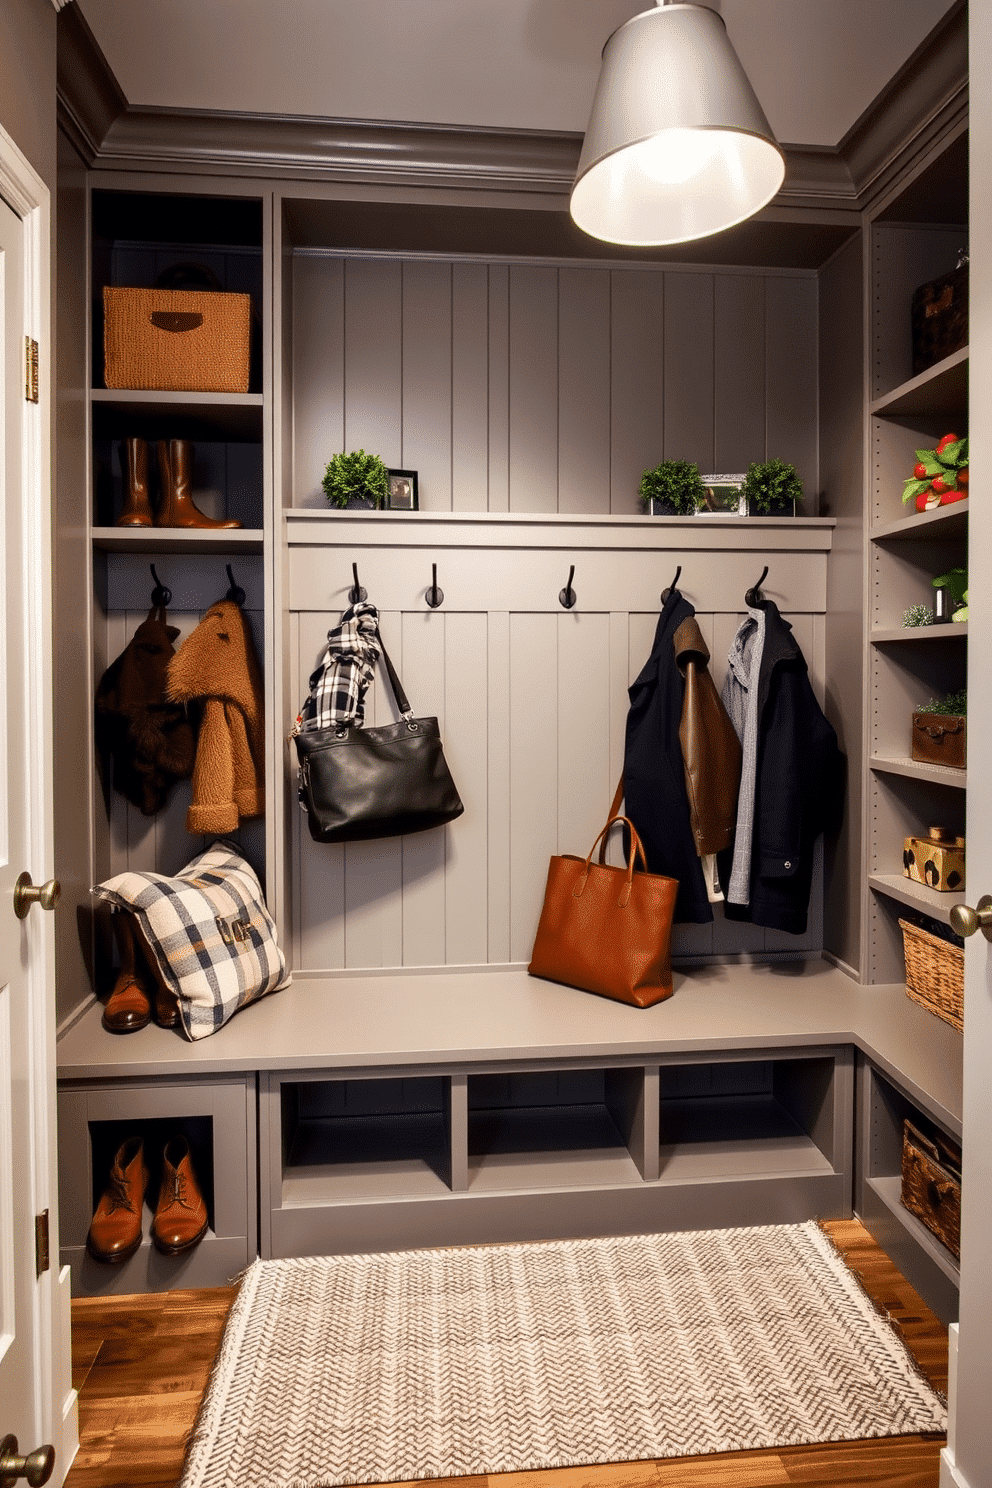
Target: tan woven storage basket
[176,340]
[931,1184]
[934,974]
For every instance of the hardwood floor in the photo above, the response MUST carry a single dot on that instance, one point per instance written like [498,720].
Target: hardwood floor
[141,1365]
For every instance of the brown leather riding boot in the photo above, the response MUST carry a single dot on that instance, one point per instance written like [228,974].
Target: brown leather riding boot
[129,1004]
[176,508]
[115,1232]
[181,1215]
[137,510]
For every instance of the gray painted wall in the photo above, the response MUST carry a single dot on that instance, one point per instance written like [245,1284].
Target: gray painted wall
[546,388]
[27,80]
[842,496]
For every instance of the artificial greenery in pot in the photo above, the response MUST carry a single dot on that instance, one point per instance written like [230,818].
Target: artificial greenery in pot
[672,489]
[356,480]
[772,489]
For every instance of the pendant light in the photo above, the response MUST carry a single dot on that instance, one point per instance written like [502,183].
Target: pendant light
[677,146]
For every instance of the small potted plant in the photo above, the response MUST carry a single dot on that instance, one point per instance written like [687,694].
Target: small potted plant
[939,730]
[940,476]
[672,489]
[356,480]
[772,489]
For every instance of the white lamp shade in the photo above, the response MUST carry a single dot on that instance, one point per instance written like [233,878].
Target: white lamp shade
[677,146]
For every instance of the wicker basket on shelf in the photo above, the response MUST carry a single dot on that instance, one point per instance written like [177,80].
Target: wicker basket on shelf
[934,974]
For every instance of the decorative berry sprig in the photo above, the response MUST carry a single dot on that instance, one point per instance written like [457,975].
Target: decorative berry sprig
[939,476]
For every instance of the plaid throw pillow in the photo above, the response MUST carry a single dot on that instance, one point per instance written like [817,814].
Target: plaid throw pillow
[212,938]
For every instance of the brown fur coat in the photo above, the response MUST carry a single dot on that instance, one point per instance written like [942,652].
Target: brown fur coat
[144,742]
[217,665]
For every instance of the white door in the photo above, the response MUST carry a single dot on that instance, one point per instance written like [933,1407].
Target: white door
[968,1460]
[31,1317]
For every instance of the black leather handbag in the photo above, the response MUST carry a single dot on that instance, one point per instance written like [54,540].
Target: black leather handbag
[361,783]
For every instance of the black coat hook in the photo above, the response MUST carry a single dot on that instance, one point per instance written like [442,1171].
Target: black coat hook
[666,594]
[356,595]
[434,595]
[567,595]
[754,596]
[161,596]
[235,592]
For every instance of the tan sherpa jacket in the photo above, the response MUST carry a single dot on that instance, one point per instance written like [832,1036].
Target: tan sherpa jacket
[217,664]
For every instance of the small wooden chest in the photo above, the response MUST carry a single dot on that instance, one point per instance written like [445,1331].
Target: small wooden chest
[939,739]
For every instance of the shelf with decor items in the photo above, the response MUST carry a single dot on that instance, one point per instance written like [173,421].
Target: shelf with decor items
[917,375]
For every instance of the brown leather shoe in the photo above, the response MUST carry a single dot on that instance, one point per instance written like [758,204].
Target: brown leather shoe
[115,1231]
[129,1004]
[181,1215]
[176,505]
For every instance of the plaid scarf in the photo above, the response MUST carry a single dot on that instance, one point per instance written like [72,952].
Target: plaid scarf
[346,667]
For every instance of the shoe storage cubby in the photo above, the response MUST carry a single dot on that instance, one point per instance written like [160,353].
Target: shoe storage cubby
[217,1118]
[923,1259]
[532,1151]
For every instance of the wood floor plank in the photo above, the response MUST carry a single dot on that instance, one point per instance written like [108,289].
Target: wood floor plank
[144,1362]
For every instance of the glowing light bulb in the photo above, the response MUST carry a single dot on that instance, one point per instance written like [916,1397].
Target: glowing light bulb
[677,155]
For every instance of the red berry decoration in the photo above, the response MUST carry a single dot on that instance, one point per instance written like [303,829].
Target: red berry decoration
[947,439]
[949,497]
[920,470]
[926,499]
[940,485]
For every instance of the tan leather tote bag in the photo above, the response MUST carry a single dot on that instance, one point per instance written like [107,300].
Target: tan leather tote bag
[607,930]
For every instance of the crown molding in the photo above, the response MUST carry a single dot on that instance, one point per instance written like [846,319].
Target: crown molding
[89,98]
[927,95]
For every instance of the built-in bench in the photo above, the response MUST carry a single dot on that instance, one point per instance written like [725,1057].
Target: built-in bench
[452,1107]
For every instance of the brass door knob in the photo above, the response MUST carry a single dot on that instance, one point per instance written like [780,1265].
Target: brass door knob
[965,921]
[26,893]
[35,1468]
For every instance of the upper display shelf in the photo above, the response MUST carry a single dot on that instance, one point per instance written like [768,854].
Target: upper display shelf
[225,417]
[941,391]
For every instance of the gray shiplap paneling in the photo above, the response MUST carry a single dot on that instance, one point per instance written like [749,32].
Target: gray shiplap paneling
[373,365]
[470,386]
[583,390]
[533,388]
[427,389]
[637,360]
[541,388]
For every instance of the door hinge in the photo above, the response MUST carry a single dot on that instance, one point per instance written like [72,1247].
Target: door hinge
[42,1259]
[30,370]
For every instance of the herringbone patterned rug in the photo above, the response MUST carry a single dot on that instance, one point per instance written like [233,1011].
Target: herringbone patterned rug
[441,1363]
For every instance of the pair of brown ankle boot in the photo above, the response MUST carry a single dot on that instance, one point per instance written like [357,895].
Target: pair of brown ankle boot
[139,994]
[180,1220]
[176,507]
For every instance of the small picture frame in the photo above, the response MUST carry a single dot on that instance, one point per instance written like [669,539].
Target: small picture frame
[722,496]
[402,491]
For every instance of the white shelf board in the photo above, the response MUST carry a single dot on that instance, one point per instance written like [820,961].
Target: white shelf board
[341,1159]
[918,770]
[916,896]
[888,1190]
[324,1185]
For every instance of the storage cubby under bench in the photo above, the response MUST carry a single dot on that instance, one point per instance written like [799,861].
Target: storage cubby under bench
[451,1107]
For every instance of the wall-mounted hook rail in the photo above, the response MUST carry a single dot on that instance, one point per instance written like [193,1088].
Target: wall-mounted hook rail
[566,596]
[666,594]
[161,594]
[434,595]
[356,594]
[235,592]
[754,596]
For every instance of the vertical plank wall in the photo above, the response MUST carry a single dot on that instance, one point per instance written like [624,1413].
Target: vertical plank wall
[532,703]
[542,388]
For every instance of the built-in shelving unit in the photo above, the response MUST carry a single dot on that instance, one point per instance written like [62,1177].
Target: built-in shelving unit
[907,667]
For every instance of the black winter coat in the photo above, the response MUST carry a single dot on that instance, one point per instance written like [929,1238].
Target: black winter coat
[653,769]
[798,785]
